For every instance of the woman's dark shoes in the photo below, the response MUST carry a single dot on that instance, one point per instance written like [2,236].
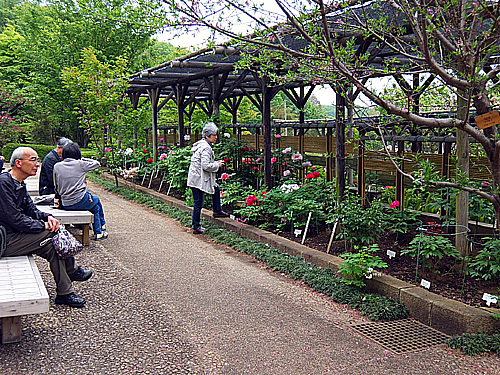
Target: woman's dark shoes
[72,300]
[220,214]
[199,230]
[81,275]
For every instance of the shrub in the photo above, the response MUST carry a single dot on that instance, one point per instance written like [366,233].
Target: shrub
[360,265]
[486,264]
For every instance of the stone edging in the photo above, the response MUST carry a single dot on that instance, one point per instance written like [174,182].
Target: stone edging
[448,316]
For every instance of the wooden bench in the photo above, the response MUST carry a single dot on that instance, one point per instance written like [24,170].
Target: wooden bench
[79,218]
[22,292]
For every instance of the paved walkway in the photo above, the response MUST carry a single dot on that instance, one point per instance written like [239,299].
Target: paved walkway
[164,301]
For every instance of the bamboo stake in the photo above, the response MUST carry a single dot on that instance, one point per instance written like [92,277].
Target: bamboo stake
[307,227]
[151,178]
[332,236]
[161,182]
[170,185]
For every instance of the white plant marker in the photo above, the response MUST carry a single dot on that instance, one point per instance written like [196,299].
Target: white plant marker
[232,217]
[391,254]
[489,298]
[307,227]
[426,284]
[297,232]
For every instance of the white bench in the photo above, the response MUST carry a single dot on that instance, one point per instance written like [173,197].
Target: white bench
[22,292]
[80,218]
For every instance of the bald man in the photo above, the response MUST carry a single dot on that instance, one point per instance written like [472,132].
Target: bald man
[27,227]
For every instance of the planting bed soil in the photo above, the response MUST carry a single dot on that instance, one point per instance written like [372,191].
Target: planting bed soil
[448,280]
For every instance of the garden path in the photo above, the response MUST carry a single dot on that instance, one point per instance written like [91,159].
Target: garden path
[165,301]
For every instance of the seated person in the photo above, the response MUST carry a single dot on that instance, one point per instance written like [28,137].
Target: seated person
[27,227]
[1,163]
[46,182]
[70,184]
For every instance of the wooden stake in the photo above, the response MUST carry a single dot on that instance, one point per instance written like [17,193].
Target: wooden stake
[332,236]
[161,182]
[151,178]
[170,185]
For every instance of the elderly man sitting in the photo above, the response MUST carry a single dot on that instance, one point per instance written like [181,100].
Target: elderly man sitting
[27,227]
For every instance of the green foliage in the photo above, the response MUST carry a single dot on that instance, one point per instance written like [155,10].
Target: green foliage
[360,265]
[486,264]
[42,150]
[289,205]
[361,226]
[476,343]
[433,248]
[321,279]
[177,165]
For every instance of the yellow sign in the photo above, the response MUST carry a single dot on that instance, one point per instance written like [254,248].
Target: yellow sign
[487,120]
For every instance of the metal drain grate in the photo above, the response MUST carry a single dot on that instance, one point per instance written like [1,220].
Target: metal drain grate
[402,336]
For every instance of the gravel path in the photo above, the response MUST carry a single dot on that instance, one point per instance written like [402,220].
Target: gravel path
[164,301]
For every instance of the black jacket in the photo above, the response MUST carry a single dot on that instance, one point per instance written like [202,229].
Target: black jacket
[46,183]
[18,212]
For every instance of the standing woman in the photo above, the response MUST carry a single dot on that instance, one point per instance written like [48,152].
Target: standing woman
[202,175]
[71,185]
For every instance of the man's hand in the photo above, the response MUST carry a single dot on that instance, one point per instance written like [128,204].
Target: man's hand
[52,224]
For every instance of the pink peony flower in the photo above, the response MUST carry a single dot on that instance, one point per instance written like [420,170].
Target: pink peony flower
[286,173]
[273,160]
[224,176]
[107,149]
[277,136]
[394,204]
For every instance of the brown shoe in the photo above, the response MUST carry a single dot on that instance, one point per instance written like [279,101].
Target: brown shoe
[199,230]
[221,214]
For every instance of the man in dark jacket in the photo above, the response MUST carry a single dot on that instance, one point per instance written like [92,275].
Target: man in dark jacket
[46,183]
[27,227]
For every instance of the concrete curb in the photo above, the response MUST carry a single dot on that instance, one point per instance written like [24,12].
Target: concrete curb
[448,316]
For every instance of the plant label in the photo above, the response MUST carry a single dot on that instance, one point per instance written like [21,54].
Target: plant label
[426,284]
[391,254]
[488,119]
[297,232]
[489,298]
[232,217]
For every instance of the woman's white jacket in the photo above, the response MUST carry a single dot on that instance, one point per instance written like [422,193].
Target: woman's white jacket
[203,167]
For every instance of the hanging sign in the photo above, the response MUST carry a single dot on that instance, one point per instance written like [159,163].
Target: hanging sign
[487,120]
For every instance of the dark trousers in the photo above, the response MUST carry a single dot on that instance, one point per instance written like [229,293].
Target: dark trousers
[29,243]
[198,196]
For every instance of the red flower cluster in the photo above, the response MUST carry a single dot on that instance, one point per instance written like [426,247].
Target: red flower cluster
[227,160]
[149,160]
[252,200]
[314,174]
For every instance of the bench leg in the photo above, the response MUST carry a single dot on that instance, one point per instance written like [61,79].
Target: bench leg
[11,329]
[85,234]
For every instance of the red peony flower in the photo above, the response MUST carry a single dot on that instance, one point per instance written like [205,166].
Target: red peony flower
[149,160]
[316,174]
[224,176]
[310,175]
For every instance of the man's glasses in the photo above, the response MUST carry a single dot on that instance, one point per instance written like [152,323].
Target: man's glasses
[34,159]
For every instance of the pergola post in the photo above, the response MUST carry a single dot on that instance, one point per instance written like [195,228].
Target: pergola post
[267,95]
[462,203]
[154,96]
[400,188]
[340,139]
